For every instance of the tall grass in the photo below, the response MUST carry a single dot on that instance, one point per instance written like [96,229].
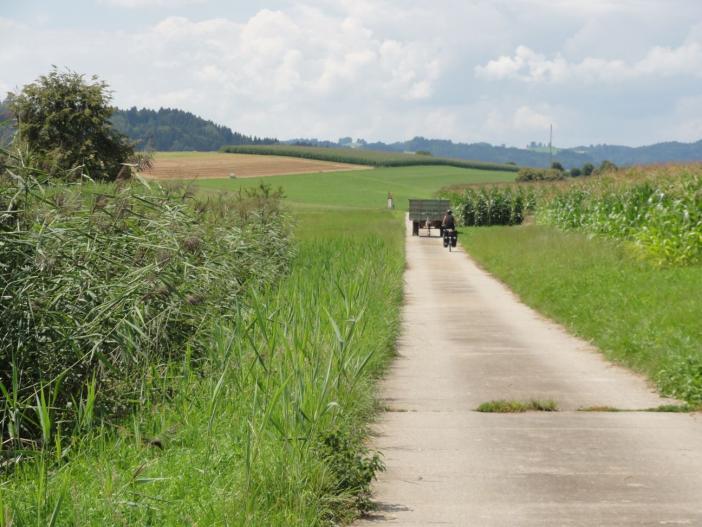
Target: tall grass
[363,157]
[102,286]
[267,428]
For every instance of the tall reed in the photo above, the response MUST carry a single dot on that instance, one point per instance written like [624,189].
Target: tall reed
[101,282]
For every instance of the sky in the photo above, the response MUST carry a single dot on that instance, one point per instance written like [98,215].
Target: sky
[499,71]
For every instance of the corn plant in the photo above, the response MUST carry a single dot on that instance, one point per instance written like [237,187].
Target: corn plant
[659,209]
[488,205]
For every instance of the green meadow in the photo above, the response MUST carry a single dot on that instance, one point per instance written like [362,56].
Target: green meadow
[367,189]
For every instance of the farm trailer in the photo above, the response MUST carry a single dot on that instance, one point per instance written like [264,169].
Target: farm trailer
[427,213]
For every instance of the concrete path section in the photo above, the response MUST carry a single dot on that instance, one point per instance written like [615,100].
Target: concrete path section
[466,339]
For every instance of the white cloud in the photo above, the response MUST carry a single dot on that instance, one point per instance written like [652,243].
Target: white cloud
[683,60]
[527,118]
[386,69]
[529,66]
[584,7]
[526,121]
[685,123]
[277,71]
[139,4]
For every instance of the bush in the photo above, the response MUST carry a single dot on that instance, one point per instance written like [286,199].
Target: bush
[539,174]
[605,167]
[354,468]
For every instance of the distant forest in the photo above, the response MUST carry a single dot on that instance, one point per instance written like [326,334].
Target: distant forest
[169,129]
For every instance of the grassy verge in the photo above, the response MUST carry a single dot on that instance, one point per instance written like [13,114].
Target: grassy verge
[638,314]
[267,428]
[364,157]
[503,406]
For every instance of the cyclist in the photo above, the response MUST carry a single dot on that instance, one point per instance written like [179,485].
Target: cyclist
[448,228]
[448,222]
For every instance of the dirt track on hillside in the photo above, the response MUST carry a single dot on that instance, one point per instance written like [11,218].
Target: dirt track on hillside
[214,165]
[465,340]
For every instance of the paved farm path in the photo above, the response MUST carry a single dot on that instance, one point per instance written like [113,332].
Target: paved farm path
[466,340]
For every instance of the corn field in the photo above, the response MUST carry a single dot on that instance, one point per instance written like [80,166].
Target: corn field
[363,157]
[659,209]
[481,206]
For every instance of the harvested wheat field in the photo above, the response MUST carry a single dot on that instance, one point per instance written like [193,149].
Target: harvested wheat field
[214,165]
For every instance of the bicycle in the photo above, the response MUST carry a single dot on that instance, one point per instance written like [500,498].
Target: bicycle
[450,238]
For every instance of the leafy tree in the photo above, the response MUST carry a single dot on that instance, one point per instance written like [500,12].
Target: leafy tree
[575,172]
[607,166]
[539,174]
[64,120]
[588,169]
[557,166]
